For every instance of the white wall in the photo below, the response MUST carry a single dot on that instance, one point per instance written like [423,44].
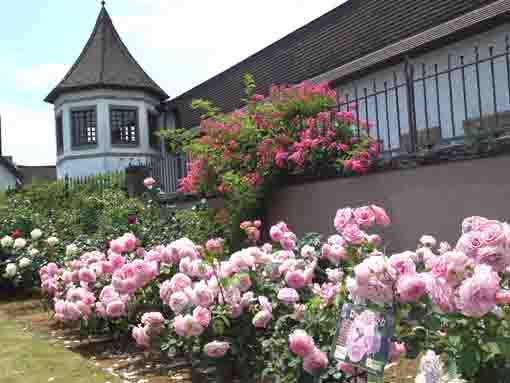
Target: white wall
[103,157]
[7,179]
[495,38]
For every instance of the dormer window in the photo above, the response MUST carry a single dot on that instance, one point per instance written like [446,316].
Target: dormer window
[84,127]
[59,131]
[124,125]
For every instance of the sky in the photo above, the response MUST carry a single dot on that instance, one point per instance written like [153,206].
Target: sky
[179,44]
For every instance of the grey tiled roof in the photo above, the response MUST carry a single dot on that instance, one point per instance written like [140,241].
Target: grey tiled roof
[105,62]
[347,33]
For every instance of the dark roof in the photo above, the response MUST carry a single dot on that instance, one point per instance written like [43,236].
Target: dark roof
[34,173]
[9,165]
[350,31]
[105,62]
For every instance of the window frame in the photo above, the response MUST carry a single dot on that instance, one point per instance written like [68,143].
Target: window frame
[59,132]
[118,143]
[154,140]
[75,144]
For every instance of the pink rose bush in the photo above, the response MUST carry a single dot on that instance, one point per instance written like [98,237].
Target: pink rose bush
[275,306]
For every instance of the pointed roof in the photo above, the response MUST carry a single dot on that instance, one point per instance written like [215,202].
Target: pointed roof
[105,62]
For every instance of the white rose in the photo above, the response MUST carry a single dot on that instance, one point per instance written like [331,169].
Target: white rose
[36,234]
[10,270]
[428,241]
[71,250]
[20,243]
[52,241]
[34,252]
[308,251]
[6,241]
[24,262]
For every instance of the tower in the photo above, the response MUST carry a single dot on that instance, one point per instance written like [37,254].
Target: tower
[106,107]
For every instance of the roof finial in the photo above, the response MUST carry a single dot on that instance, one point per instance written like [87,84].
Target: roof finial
[103,3]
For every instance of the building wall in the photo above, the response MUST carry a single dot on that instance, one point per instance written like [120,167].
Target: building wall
[426,200]
[103,157]
[7,179]
[493,38]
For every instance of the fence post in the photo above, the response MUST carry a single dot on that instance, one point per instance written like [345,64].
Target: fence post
[411,105]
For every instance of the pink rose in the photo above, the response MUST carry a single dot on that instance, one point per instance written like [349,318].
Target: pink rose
[115,309]
[441,293]
[149,182]
[288,296]
[477,295]
[204,296]
[357,351]
[187,326]
[315,362]
[154,322]
[202,316]
[493,233]
[353,234]
[117,246]
[473,224]
[335,275]
[216,349]
[178,302]
[299,313]
[214,245]
[244,282]
[381,217]
[180,282]
[503,297]
[470,243]
[141,337]
[301,344]
[87,276]
[364,216]
[410,287]
[288,241]
[342,218]
[295,279]
[402,263]
[262,318]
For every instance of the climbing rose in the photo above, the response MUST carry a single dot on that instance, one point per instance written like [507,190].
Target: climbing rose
[477,295]
[381,217]
[315,362]
[187,326]
[288,296]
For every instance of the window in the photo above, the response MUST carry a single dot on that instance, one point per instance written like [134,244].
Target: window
[124,126]
[84,127]
[59,132]
[154,141]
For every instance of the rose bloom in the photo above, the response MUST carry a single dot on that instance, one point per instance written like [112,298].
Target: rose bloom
[149,182]
[179,282]
[178,302]
[141,337]
[288,296]
[353,234]
[203,295]
[216,349]
[71,250]
[187,326]
[428,241]
[364,216]
[345,368]
[35,234]
[473,223]
[24,262]
[342,218]
[315,362]
[381,217]
[262,318]
[493,233]
[7,241]
[154,321]
[477,295]
[214,245]
[300,343]
[410,287]
[396,350]
[308,251]
[202,316]
[19,243]
[295,279]
[115,309]
[11,270]
[52,241]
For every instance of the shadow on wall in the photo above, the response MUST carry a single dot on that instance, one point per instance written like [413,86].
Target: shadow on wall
[426,200]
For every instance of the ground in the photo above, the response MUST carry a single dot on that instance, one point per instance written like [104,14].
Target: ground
[36,350]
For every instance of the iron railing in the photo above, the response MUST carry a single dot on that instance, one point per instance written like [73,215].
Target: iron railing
[421,106]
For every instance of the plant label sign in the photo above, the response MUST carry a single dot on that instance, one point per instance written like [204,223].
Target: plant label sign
[364,338]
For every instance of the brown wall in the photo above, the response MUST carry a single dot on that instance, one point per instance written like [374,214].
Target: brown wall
[426,200]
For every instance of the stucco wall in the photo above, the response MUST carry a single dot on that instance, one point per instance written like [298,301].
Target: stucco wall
[103,157]
[7,179]
[426,200]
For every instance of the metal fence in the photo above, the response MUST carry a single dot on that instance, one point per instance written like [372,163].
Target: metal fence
[104,181]
[168,168]
[422,106]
